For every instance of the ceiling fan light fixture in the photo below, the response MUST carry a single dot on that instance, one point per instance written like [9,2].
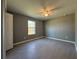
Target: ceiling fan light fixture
[46,15]
[46,12]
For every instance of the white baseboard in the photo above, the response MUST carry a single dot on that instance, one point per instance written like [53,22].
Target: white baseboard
[61,40]
[27,40]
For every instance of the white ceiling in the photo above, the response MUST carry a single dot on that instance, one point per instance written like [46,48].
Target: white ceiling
[32,7]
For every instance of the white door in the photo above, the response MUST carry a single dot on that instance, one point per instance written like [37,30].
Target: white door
[9,31]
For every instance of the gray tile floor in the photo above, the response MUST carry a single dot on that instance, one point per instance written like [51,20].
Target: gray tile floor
[43,49]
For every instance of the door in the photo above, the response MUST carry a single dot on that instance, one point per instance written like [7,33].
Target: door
[9,31]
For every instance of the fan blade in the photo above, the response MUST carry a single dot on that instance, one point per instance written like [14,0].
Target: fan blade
[55,8]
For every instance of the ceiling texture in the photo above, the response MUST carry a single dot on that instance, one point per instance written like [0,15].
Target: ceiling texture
[32,7]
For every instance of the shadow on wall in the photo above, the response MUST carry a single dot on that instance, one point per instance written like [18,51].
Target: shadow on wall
[61,28]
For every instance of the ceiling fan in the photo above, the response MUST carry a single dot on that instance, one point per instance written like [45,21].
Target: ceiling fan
[47,10]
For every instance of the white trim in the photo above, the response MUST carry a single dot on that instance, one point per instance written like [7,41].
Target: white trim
[61,40]
[27,41]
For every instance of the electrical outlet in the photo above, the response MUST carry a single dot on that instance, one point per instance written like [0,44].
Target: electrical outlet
[24,37]
[66,37]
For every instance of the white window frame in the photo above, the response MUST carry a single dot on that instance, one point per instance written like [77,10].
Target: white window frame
[31,25]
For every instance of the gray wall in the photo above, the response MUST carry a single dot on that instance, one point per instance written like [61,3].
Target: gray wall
[20,28]
[61,27]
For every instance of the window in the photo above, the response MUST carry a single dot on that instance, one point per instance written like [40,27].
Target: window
[31,27]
